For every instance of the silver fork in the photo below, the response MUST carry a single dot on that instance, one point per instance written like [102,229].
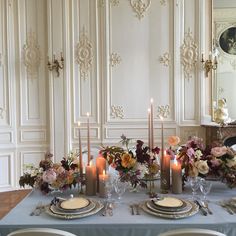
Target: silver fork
[137,209]
[205,204]
[132,209]
[226,207]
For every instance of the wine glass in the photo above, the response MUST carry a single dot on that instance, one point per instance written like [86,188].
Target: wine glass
[194,184]
[205,187]
[120,188]
[109,186]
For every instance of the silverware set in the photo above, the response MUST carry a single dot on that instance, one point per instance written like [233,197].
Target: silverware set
[38,209]
[228,206]
[135,209]
[108,209]
[203,207]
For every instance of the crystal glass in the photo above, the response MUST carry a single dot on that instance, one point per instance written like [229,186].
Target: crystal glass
[194,183]
[120,188]
[109,186]
[205,187]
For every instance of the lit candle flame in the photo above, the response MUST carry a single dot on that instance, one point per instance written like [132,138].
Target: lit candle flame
[103,172]
[151,100]
[161,118]
[87,114]
[79,123]
[90,163]
[149,110]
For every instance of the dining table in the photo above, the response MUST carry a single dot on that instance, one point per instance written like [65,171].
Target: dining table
[123,221]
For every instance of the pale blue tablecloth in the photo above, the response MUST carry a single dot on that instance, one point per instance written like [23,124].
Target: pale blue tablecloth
[122,223]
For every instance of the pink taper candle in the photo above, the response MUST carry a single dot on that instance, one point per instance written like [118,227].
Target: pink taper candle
[88,130]
[149,128]
[151,125]
[80,153]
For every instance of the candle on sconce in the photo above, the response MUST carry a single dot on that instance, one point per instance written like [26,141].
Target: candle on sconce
[88,137]
[101,167]
[80,152]
[151,125]
[91,179]
[165,172]
[176,177]
[102,184]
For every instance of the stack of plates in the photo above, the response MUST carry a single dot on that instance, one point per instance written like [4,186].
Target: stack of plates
[170,207]
[74,208]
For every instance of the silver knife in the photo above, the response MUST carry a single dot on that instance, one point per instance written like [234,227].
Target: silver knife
[204,212]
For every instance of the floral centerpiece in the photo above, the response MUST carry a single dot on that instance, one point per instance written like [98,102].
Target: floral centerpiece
[134,164]
[49,176]
[214,161]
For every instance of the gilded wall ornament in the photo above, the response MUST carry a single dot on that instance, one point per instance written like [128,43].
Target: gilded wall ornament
[115,59]
[189,54]
[117,112]
[163,111]
[31,55]
[140,7]
[84,54]
[165,59]
[1,113]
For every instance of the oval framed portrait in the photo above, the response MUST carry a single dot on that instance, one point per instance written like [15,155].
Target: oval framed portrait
[227,40]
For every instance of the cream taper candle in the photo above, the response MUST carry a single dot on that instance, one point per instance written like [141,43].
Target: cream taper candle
[80,153]
[88,137]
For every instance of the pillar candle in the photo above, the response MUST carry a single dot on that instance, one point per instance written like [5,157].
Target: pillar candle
[80,153]
[100,166]
[102,184]
[151,124]
[149,128]
[176,177]
[88,137]
[91,179]
[165,172]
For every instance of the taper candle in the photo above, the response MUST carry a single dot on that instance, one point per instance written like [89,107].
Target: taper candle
[176,177]
[151,124]
[80,153]
[91,179]
[165,172]
[149,127]
[88,136]
[162,137]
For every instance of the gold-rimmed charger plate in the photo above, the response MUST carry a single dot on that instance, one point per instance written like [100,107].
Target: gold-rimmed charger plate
[57,210]
[66,216]
[194,209]
[183,210]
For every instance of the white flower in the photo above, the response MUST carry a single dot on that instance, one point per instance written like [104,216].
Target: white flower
[202,167]
[142,168]
[231,162]
[198,154]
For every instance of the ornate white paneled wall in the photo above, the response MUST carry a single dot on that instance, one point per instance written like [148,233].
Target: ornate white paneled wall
[116,57]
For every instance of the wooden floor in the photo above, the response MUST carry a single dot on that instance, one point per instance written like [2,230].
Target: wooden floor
[9,200]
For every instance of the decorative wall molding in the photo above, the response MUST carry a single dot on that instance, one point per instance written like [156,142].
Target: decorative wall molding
[165,59]
[1,61]
[117,112]
[1,113]
[163,2]
[115,59]
[140,7]
[84,54]
[233,64]
[163,111]
[189,54]
[114,3]
[31,55]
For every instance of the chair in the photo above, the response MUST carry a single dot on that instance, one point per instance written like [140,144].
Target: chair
[192,232]
[40,232]
[230,141]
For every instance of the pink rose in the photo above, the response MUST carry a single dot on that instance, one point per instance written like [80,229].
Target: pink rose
[49,176]
[218,151]
[173,140]
[190,152]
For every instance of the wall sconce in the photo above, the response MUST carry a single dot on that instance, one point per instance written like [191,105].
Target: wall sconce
[56,65]
[210,64]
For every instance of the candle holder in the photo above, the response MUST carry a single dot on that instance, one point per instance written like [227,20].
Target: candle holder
[56,64]
[151,185]
[209,64]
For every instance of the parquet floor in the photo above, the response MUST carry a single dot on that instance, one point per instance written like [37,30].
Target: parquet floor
[9,200]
